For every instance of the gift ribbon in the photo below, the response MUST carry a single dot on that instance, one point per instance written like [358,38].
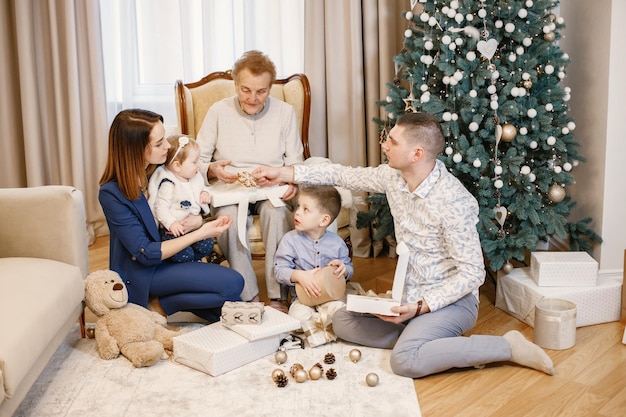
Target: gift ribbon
[318,330]
[227,194]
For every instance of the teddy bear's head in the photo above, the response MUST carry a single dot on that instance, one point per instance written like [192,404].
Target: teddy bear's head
[104,291]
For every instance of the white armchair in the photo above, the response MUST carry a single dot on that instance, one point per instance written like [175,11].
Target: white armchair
[43,261]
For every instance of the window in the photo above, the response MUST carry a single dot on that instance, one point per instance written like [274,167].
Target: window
[149,44]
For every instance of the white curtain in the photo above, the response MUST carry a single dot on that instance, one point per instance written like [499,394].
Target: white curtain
[53,103]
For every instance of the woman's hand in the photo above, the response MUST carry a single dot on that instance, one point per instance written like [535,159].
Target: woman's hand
[217,170]
[216,227]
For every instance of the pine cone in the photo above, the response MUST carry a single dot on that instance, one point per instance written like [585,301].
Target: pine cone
[319,365]
[281,381]
[329,358]
[331,374]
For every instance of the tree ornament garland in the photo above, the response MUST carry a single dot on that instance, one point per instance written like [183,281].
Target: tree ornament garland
[492,72]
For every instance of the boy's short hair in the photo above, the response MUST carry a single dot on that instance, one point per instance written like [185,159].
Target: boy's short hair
[327,197]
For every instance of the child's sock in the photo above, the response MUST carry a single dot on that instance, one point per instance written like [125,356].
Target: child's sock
[526,353]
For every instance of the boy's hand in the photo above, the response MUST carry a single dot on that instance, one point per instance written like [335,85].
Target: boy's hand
[340,270]
[307,281]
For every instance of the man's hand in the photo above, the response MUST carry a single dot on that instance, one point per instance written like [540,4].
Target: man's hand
[406,311]
[267,176]
[217,170]
[292,192]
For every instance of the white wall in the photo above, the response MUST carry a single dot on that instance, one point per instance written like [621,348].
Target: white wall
[596,76]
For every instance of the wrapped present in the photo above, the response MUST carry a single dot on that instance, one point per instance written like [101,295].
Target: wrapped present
[332,288]
[223,194]
[214,349]
[241,312]
[517,294]
[274,323]
[563,269]
[318,330]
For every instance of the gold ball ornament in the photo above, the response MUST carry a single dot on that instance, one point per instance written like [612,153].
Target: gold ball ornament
[280,357]
[507,267]
[556,193]
[301,375]
[355,355]
[550,36]
[508,132]
[371,379]
[295,368]
[315,373]
[527,84]
[90,332]
[276,373]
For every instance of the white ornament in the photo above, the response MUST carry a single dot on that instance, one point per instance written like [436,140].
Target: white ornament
[458,75]
[452,46]
[388,99]
[493,105]
[551,140]
[533,144]
[549,69]
[423,87]
[519,50]
[527,42]
[571,125]
[549,107]
[557,169]
[523,130]
[424,17]
[408,33]
[470,56]
[426,59]
[408,15]
[451,13]
[529,3]
[565,131]
[492,89]
[469,17]
[522,13]
[499,23]
[459,18]
[495,75]
[457,158]
[531,113]
[454,4]
[512,57]
[561,75]
[458,41]
[432,21]
[547,29]
[515,92]
[532,177]
[509,28]
[525,76]
[522,91]
[497,170]
[455,116]
[476,163]
[567,167]
[482,13]
[425,98]
[525,170]
[446,116]
[575,162]
[560,20]
[391,115]
[498,184]
[449,150]
[473,127]
[445,39]
[473,94]
[428,45]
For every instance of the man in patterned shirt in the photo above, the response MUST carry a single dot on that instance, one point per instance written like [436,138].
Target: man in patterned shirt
[435,216]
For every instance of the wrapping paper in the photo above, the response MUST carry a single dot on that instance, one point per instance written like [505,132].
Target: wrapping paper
[274,323]
[240,312]
[318,329]
[563,269]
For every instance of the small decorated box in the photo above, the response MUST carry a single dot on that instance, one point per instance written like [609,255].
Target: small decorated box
[241,312]
[214,349]
[563,269]
[517,294]
[274,323]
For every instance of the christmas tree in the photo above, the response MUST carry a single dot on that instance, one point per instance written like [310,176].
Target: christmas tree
[493,73]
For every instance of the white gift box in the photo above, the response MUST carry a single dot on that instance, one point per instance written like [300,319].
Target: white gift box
[214,349]
[517,294]
[563,269]
[381,305]
[274,323]
[242,312]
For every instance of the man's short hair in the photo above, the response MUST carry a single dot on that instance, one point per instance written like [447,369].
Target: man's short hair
[423,129]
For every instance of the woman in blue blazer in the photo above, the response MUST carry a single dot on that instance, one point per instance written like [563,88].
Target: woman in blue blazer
[137,145]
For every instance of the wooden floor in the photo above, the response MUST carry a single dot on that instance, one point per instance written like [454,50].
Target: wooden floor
[590,379]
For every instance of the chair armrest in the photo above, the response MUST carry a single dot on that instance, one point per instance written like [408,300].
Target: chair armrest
[44,222]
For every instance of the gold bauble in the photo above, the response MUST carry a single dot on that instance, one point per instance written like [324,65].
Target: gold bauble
[507,267]
[280,357]
[315,373]
[276,373]
[355,355]
[556,193]
[301,375]
[552,17]
[371,379]
[550,36]
[508,132]
[527,84]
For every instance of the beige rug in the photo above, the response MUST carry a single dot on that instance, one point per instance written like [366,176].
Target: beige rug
[78,383]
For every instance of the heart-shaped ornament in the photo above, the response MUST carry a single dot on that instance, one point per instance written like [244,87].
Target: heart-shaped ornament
[487,48]
[501,213]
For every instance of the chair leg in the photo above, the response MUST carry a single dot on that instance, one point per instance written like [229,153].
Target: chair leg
[81,320]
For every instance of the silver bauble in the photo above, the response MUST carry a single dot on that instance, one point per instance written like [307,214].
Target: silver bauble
[280,357]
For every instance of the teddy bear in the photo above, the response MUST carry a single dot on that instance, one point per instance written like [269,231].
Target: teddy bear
[137,333]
